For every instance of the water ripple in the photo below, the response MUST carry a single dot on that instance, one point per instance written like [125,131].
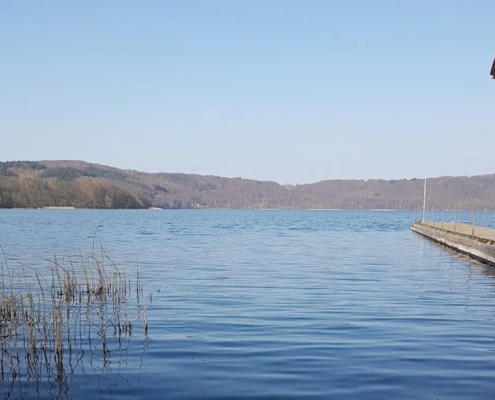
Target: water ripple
[248,304]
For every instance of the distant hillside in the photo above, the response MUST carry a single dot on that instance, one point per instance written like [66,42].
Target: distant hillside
[34,184]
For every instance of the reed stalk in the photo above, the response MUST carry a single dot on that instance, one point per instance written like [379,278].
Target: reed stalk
[42,320]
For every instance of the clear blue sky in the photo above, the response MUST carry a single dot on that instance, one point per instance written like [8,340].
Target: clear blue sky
[292,91]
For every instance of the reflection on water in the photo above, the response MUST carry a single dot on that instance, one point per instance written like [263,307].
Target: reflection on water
[102,373]
[266,305]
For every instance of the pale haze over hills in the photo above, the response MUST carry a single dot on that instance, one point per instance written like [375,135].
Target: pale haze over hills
[288,91]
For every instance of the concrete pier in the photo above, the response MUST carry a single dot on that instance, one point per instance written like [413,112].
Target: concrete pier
[460,237]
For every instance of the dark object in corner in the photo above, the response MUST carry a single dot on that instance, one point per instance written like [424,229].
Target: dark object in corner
[492,72]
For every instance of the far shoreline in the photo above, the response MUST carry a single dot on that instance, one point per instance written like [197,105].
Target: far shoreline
[72,208]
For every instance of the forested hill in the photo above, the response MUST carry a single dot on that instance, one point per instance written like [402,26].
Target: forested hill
[34,184]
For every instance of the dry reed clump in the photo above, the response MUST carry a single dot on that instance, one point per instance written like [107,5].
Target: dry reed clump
[47,314]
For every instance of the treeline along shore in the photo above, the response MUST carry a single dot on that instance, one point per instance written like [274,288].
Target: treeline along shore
[78,184]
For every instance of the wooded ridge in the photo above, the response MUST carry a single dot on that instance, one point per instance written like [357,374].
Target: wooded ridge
[35,184]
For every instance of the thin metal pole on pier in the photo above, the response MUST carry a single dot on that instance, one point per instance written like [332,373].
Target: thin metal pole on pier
[472,221]
[443,210]
[424,203]
[455,217]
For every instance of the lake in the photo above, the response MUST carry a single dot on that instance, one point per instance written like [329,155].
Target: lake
[275,304]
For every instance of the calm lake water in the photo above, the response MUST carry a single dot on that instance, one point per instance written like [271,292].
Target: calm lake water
[276,304]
